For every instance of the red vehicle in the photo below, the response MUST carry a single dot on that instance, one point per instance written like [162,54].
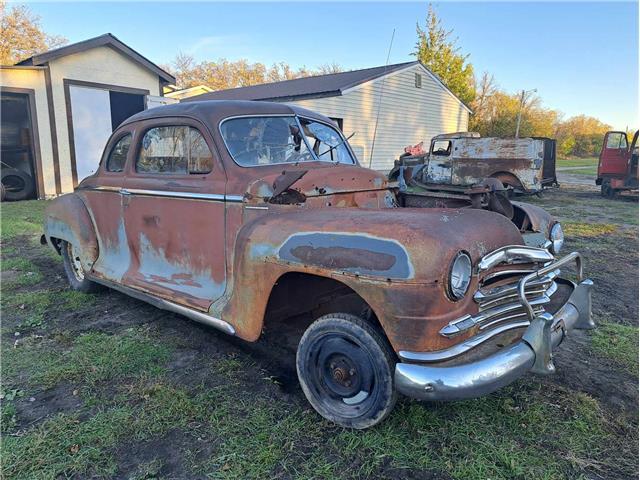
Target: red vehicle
[618,165]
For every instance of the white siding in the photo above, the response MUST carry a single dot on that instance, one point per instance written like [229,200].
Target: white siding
[408,115]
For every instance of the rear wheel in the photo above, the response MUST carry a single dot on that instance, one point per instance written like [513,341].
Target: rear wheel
[75,271]
[346,367]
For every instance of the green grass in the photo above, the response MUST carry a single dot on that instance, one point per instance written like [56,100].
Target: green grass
[29,308]
[26,272]
[577,162]
[590,172]
[21,218]
[92,358]
[617,342]
[501,436]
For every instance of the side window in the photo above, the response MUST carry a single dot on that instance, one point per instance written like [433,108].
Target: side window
[174,150]
[118,154]
[616,141]
[441,147]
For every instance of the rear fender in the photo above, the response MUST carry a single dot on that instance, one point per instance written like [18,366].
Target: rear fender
[67,218]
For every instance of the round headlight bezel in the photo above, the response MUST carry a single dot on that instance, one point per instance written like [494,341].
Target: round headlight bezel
[556,237]
[459,290]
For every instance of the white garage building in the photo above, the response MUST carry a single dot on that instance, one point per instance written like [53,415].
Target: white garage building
[414,106]
[59,107]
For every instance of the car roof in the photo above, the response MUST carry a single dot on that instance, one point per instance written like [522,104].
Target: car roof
[212,112]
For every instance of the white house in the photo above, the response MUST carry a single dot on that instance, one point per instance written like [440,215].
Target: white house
[410,104]
[59,107]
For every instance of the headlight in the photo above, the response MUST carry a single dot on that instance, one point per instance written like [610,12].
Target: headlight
[460,275]
[557,238]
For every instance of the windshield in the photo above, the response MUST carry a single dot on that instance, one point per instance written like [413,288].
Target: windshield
[255,141]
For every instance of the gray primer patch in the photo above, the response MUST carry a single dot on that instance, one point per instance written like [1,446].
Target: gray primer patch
[354,253]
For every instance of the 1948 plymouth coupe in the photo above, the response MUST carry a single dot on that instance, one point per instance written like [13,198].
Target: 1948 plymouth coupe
[234,213]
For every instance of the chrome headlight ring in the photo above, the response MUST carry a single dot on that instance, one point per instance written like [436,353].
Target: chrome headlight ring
[556,237]
[460,275]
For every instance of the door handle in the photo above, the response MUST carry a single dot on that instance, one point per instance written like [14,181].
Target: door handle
[126,196]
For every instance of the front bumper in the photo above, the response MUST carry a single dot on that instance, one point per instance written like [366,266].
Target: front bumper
[533,352]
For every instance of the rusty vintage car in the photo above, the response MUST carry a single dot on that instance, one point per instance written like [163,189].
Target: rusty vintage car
[235,214]
[461,159]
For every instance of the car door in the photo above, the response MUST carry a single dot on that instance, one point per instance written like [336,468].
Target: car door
[174,214]
[103,198]
[439,168]
[614,154]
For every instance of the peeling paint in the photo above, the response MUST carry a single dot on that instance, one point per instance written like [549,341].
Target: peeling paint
[355,253]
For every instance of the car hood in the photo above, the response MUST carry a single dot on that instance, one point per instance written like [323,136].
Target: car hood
[312,181]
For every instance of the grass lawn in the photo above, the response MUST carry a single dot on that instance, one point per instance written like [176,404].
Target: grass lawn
[578,166]
[106,386]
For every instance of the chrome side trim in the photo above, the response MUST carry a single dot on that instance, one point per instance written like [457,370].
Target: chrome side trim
[163,304]
[104,189]
[168,193]
[459,348]
[514,254]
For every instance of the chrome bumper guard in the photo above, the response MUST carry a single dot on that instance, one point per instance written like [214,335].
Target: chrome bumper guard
[533,353]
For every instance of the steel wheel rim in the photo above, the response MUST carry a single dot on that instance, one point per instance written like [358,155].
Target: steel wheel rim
[74,260]
[342,375]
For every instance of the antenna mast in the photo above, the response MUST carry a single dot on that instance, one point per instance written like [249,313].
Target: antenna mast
[384,79]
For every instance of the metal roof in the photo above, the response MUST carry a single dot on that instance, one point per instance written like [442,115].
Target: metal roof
[329,85]
[108,40]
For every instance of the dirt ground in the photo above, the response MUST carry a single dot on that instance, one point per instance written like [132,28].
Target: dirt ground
[107,386]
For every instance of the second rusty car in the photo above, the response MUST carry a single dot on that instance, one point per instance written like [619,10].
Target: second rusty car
[237,213]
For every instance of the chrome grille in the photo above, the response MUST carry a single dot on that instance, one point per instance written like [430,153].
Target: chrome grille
[500,305]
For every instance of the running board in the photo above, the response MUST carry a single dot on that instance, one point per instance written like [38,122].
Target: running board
[163,304]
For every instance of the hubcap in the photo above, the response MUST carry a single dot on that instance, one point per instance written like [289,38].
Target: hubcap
[76,265]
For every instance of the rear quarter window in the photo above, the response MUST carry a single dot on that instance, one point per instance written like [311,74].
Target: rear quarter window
[177,150]
[118,155]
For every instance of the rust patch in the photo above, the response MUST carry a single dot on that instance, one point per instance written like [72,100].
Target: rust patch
[344,258]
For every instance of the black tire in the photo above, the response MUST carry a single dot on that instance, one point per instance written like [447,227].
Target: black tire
[75,272]
[3,192]
[346,367]
[606,190]
[18,185]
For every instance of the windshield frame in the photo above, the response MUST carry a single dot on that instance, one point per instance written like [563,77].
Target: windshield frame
[304,139]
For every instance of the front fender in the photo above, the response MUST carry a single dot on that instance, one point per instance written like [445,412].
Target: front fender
[67,218]
[397,260]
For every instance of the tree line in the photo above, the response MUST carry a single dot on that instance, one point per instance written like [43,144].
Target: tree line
[495,111]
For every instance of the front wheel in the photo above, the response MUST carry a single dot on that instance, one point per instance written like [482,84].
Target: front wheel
[74,269]
[345,367]
[606,190]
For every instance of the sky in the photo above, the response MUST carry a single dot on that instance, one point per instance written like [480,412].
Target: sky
[582,57]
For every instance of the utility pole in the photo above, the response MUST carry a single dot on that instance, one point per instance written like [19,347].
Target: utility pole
[523,97]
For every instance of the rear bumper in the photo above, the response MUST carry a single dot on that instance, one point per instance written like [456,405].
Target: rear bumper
[532,353]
